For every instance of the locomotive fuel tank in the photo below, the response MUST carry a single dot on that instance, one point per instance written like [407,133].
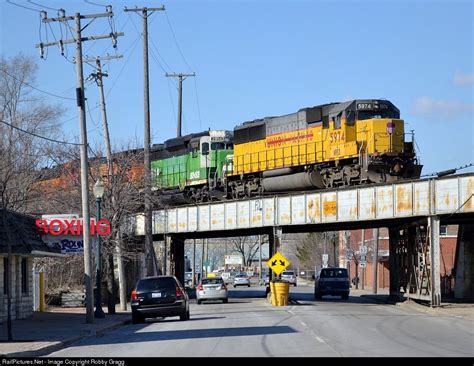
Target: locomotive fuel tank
[292,182]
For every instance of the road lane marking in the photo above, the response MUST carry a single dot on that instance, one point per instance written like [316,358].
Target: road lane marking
[320,339]
[303,324]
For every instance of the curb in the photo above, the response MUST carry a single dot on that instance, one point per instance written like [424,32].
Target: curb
[66,343]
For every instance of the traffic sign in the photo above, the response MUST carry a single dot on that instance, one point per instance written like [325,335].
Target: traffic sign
[278,263]
[363,249]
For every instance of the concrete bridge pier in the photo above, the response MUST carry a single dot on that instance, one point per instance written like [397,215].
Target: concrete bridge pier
[177,258]
[464,263]
[394,262]
[433,226]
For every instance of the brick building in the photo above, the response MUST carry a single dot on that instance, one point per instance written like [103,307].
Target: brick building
[448,240]
[26,244]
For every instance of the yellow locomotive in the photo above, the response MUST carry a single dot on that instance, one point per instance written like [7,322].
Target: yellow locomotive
[329,145]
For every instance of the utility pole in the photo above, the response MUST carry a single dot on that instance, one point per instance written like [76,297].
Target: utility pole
[151,265]
[363,268]
[202,258]
[82,122]
[260,259]
[375,262]
[180,77]
[98,76]
[194,264]
[348,256]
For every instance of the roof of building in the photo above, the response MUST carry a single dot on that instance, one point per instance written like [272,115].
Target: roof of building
[21,230]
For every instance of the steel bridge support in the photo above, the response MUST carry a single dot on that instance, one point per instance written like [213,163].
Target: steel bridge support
[274,242]
[433,226]
[177,258]
[415,261]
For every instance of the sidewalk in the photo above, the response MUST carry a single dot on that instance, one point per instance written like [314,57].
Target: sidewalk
[465,310]
[57,328]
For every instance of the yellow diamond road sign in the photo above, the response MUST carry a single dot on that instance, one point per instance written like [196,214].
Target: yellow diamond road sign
[278,263]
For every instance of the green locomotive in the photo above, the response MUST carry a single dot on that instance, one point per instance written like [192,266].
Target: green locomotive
[192,168]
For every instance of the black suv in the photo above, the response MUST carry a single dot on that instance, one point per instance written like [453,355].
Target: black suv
[332,281]
[159,296]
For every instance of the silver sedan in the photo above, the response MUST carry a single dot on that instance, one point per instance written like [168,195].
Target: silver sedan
[212,289]
[241,280]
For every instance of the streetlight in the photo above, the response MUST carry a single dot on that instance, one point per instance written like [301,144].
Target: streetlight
[98,193]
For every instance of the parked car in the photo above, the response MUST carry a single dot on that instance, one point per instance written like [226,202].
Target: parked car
[332,281]
[289,276]
[226,277]
[241,279]
[266,279]
[159,296]
[212,289]
[188,279]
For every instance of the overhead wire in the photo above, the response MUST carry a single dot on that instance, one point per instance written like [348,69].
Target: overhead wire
[39,136]
[188,65]
[22,6]
[35,88]
[42,6]
[90,2]
[171,97]
[134,44]
[197,103]
[176,41]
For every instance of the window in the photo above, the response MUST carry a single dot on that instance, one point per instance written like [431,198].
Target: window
[350,118]
[443,230]
[378,114]
[155,284]
[334,273]
[217,146]
[5,276]
[325,121]
[337,121]
[205,148]
[24,275]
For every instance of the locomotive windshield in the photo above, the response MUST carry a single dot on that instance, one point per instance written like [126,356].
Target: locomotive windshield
[221,146]
[387,113]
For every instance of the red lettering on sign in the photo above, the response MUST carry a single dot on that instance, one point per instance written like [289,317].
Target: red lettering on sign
[58,227]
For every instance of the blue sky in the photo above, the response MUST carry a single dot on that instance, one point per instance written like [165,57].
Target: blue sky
[261,58]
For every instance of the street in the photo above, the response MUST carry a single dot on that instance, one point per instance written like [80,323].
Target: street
[249,326]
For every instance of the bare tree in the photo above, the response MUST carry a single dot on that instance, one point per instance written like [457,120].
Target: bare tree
[312,246]
[246,246]
[24,115]
[125,186]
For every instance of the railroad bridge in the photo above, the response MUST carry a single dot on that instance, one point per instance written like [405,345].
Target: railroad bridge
[412,211]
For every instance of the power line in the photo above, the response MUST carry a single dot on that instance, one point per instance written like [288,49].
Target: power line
[176,41]
[198,106]
[90,2]
[134,44]
[22,6]
[39,136]
[31,86]
[42,6]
